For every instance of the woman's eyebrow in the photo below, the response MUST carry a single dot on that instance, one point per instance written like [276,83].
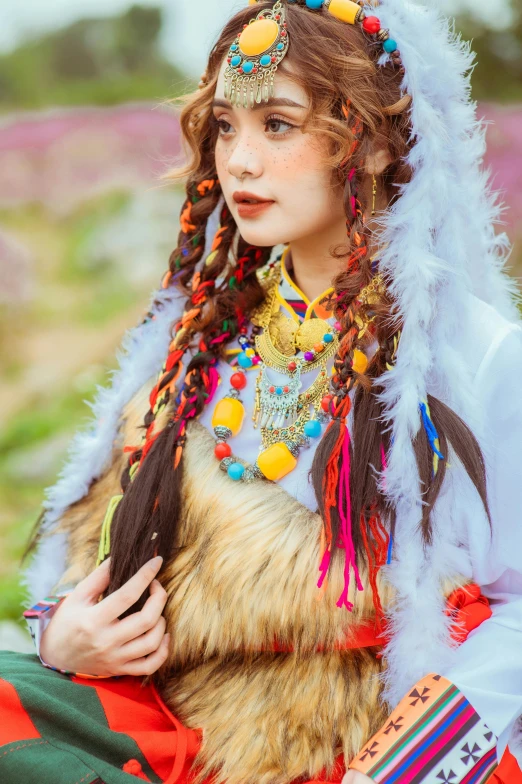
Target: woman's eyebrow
[221,103]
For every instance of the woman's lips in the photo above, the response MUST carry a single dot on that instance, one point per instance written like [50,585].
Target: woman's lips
[246,210]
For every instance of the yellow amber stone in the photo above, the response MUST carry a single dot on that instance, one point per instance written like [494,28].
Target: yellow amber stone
[258,37]
[345,10]
[276,462]
[229,413]
[360,361]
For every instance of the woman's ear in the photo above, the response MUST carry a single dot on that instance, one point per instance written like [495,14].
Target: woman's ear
[376,162]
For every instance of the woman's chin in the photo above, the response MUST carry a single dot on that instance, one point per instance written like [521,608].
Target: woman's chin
[261,234]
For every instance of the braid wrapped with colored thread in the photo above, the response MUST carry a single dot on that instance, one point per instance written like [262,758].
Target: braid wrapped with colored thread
[148,512]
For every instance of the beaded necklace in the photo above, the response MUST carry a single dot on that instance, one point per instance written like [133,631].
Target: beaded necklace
[281,410]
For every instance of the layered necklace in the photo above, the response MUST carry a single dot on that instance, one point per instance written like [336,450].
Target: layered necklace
[288,417]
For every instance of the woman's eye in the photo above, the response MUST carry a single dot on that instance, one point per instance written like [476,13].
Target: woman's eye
[226,129]
[274,124]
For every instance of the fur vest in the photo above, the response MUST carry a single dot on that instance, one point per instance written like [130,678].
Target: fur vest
[244,577]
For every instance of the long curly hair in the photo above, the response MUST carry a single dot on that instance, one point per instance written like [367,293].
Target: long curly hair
[357,106]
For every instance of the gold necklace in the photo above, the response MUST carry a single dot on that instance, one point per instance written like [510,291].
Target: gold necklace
[314,337]
[273,428]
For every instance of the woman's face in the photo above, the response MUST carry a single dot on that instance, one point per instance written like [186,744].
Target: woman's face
[262,152]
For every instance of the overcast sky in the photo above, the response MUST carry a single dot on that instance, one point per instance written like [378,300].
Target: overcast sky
[191,25]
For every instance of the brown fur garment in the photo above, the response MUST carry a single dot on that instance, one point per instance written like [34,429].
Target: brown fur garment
[244,576]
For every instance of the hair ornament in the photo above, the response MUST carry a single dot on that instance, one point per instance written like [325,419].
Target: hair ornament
[254,56]
[350,12]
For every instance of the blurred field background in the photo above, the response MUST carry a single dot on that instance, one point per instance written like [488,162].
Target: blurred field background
[85,226]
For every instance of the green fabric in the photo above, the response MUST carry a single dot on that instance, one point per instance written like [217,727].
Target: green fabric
[79,746]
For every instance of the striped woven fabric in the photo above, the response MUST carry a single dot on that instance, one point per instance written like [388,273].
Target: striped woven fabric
[434,735]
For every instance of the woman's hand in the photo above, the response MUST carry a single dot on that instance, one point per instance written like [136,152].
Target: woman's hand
[354,777]
[86,636]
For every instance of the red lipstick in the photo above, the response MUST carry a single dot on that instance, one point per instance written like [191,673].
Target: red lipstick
[249,205]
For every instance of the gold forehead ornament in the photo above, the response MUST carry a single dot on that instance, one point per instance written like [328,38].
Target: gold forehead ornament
[256,53]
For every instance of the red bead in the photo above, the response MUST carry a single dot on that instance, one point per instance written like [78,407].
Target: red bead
[222,450]
[325,403]
[292,366]
[229,59]
[371,24]
[238,381]
[272,390]
[274,58]
[286,390]
[240,70]
[278,16]
[243,330]
[256,360]
[283,33]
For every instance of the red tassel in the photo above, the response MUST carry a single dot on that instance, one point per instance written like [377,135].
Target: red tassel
[376,552]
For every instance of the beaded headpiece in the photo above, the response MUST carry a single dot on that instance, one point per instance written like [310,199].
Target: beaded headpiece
[255,54]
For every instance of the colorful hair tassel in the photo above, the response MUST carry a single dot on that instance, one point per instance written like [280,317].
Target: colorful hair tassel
[432,435]
[105,538]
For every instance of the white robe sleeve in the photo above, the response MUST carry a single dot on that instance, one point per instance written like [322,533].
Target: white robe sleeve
[487,667]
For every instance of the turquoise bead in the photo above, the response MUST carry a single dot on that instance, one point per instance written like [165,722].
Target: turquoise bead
[314,4]
[279,390]
[328,338]
[234,48]
[389,45]
[280,46]
[312,428]
[244,361]
[265,60]
[236,61]
[248,67]
[236,471]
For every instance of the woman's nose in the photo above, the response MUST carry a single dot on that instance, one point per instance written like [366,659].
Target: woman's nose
[245,160]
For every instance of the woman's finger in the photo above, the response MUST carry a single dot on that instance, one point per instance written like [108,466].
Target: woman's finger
[149,664]
[139,623]
[110,608]
[91,587]
[145,645]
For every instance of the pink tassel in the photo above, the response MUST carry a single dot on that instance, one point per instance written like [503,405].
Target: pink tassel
[384,464]
[323,568]
[345,513]
[220,339]
[213,376]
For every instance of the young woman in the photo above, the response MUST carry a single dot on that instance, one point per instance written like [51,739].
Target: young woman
[306,472]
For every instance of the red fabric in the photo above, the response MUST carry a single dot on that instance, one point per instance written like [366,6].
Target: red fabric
[507,772]
[19,727]
[467,607]
[138,711]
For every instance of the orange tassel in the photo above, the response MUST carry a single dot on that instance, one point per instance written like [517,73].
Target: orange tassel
[205,186]
[186,225]
[218,239]
[177,456]
[166,280]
